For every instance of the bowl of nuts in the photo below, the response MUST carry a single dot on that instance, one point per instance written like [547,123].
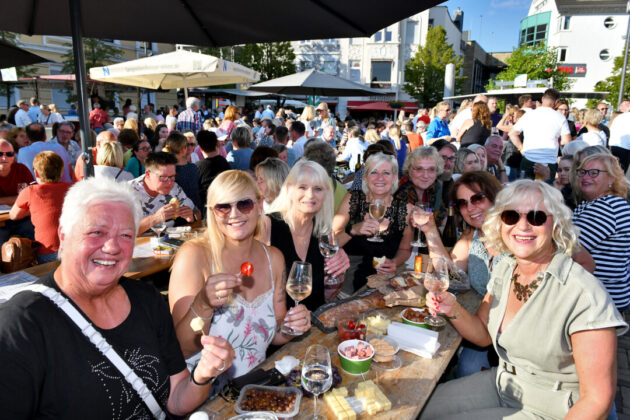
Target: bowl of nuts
[283,402]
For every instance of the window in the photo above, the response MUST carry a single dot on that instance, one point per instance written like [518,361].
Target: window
[412,25]
[381,74]
[562,54]
[330,67]
[604,54]
[534,35]
[378,36]
[609,22]
[430,23]
[566,23]
[304,65]
[388,35]
[355,71]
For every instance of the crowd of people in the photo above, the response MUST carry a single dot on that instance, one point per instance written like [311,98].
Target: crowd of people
[539,193]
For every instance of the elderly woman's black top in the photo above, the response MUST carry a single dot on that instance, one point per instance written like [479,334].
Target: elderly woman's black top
[282,239]
[51,370]
[360,250]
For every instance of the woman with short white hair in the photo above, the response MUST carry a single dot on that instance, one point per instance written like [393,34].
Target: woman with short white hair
[126,317]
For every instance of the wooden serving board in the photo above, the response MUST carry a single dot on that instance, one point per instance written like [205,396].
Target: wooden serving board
[408,388]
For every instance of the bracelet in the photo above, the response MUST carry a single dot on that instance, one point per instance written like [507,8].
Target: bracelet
[456,316]
[501,170]
[192,377]
[197,315]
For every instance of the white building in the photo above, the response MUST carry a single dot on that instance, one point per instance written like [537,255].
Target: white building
[379,60]
[587,44]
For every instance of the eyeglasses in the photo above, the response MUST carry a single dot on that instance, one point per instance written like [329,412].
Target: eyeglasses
[425,170]
[70,132]
[191,144]
[165,178]
[474,200]
[449,158]
[534,217]
[7,154]
[243,206]
[145,149]
[593,173]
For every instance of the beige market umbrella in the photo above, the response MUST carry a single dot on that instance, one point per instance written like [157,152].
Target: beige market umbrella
[177,69]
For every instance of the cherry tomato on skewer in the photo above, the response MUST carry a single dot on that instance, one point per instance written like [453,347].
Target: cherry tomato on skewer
[247,269]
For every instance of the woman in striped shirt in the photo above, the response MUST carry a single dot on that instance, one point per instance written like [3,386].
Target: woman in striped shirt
[604,222]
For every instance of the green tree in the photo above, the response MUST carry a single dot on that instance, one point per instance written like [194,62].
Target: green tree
[424,73]
[538,62]
[271,60]
[611,85]
[97,53]
[22,71]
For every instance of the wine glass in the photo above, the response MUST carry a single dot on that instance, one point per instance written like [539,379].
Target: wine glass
[299,286]
[158,227]
[377,211]
[420,215]
[328,247]
[316,373]
[437,282]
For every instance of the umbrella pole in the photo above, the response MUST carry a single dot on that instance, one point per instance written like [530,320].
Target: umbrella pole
[81,81]
[185,91]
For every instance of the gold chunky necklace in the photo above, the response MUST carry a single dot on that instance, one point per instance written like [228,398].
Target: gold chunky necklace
[524,291]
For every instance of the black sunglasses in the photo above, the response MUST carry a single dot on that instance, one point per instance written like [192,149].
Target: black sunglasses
[244,206]
[534,218]
[474,200]
[7,154]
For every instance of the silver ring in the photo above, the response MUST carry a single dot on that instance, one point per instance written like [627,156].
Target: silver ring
[222,368]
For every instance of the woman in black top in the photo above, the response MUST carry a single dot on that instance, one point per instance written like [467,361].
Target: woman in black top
[302,212]
[354,225]
[477,129]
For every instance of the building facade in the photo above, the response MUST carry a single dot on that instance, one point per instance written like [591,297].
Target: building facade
[54,47]
[586,44]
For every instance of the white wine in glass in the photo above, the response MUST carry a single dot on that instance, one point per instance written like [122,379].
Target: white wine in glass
[299,287]
[420,217]
[377,212]
[437,282]
[316,373]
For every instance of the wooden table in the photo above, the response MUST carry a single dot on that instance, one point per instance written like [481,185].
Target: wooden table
[408,388]
[139,267]
[3,218]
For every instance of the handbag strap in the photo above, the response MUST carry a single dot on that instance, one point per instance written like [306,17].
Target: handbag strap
[103,346]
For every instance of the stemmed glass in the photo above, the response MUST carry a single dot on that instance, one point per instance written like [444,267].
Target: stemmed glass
[420,215]
[159,227]
[316,373]
[328,247]
[437,282]
[299,286]
[377,211]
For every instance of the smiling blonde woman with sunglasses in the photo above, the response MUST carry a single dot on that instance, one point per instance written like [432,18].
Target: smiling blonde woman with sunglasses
[552,324]
[206,279]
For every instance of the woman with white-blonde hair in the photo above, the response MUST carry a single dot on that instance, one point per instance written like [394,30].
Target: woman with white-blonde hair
[308,115]
[593,136]
[270,176]
[552,324]
[303,211]
[109,163]
[206,281]
[354,225]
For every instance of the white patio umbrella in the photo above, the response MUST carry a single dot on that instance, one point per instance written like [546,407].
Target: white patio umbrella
[177,69]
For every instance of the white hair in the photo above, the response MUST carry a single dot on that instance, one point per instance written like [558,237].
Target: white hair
[91,190]
[119,119]
[190,102]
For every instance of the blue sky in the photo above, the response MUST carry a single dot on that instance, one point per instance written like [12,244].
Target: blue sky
[498,27]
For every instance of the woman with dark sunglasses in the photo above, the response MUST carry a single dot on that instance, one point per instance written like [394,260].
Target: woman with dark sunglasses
[552,324]
[207,281]
[302,212]
[604,221]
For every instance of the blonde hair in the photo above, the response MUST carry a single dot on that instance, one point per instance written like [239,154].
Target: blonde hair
[110,154]
[228,187]
[275,172]
[308,113]
[564,233]
[424,152]
[619,187]
[150,123]
[131,124]
[315,174]
[53,108]
[593,117]
[375,160]
[371,136]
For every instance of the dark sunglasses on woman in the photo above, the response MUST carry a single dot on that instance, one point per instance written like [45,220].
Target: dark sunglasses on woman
[534,217]
[244,206]
[474,200]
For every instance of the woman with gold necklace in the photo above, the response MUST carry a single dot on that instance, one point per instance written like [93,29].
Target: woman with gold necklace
[552,323]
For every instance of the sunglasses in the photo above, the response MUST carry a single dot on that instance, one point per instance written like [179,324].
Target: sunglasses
[534,218]
[474,200]
[243,206]
[191,144]
[7,154]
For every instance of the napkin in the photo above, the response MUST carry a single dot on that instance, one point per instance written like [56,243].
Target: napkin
[419,341]
[286,364]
